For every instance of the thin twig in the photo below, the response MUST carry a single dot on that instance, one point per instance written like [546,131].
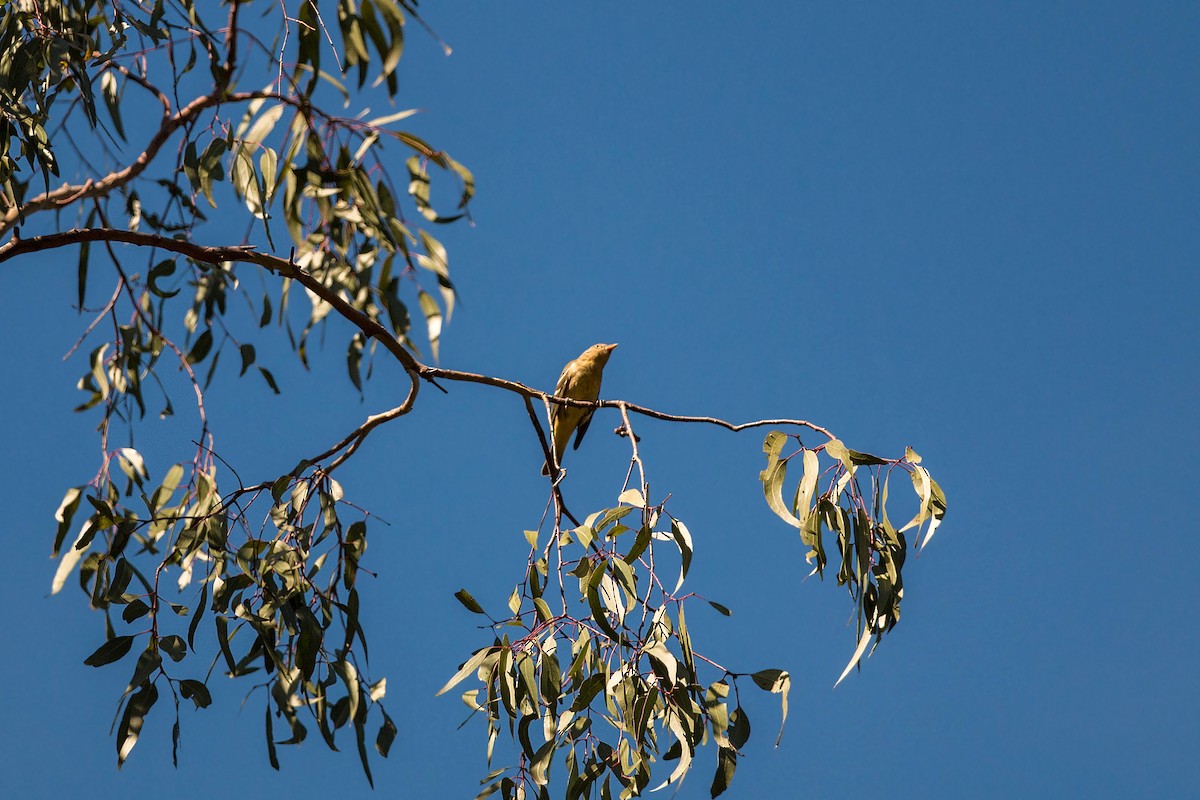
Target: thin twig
[103,313]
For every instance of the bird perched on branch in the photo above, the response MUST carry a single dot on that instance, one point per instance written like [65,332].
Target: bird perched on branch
[580,380]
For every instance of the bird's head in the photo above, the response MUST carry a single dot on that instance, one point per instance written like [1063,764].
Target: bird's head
[599,352]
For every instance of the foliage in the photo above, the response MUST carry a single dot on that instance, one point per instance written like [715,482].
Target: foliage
[629,664]
[272,566]
[281,595]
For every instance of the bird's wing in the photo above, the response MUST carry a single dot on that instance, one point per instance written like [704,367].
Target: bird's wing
[583,426]
[563,388]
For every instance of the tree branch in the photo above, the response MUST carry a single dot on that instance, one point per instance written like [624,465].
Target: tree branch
[68,193]
[416,370]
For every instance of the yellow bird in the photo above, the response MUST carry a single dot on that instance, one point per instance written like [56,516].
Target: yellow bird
[580,380]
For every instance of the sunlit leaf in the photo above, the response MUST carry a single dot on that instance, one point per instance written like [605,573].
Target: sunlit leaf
[773,475]
[863,641]
[632,497]
[777,682]
[467,668]
[131,721]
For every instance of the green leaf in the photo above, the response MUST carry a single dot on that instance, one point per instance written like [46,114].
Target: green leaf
[270,379]
[469,602]
[163,493]
[355,546]
[836,449]
[807,486]
[863,641]
[778,682]
[161,270]
[173,646]
[360,737]
[112,99]
[197,615]
[467,178]
[595,602]
[135,610]
[72,557]
[112,650]
[433,319]
[310,640]
[739,728]
[640,543]
[632,497]
[247,353]
[543,610]
[726,764]
[195,691]
[683,539]
[272,756]
[514,600]
[470,666]
[396,117]
[354,361]
[591,686]
[132,464]
[773,475]
[201,347]
[120,582]
[541,762]
[526,671]
[280,486]
[222,626]
[265,319]
[720,608]
[865,459]
[64,514]
[131,721]
[685,643]
[147,663]
[387,735]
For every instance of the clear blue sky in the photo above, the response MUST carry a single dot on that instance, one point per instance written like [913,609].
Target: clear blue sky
[972,228]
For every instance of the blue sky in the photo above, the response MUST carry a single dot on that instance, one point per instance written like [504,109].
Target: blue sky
[972,230]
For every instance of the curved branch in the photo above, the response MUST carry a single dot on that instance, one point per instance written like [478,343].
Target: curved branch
[416,370]
[218,255]
[525,391]
[145,84]
[355,438]
[68,193]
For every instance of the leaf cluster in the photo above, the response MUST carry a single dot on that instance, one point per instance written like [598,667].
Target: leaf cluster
[281,599]
[872,551]
[615,687]
[279,596]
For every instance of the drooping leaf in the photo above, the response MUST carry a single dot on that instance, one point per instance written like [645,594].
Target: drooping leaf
[195,691]
[112,650]
[773,475]
[469,666]
[778,682]
[131,721]
[468,601]
[863,641]
[200,347]
[385,737]
[63,515]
